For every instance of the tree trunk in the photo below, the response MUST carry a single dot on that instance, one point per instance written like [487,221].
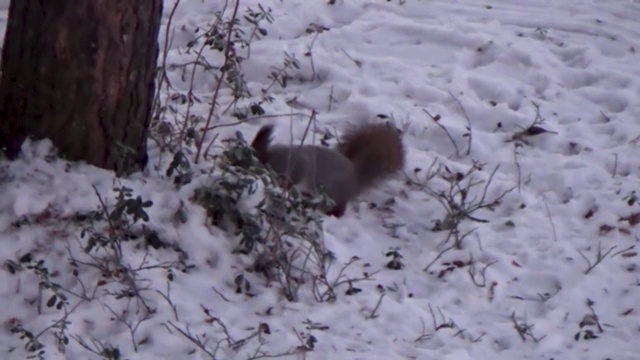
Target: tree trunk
[81,73]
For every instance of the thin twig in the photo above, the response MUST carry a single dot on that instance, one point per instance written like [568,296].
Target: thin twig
[464,112]
[436,119]
[599,257]
[375,309]
[518,168]
[438,257]
[553,227]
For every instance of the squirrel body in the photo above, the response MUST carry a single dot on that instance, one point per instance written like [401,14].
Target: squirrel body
[364,156]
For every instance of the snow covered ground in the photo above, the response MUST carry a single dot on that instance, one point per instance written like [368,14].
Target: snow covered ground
[473,84]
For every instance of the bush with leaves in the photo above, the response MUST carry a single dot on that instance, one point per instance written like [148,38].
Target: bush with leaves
[217,50]
[281,225]
[283,228]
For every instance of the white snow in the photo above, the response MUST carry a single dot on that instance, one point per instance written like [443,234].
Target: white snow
[476,63]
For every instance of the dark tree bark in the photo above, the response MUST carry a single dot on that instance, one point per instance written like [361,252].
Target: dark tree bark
[81,73]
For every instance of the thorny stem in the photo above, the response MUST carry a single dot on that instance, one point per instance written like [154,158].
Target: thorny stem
[223,71]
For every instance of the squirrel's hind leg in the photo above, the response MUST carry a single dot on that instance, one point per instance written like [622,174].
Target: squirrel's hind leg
[338,210]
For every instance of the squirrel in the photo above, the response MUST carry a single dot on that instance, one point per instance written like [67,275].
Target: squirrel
[365,155]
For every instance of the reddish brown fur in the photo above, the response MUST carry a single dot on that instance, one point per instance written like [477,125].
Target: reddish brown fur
[376,151]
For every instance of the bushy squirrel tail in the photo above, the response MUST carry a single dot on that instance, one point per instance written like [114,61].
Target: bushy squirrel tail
[261,143]
[375,150]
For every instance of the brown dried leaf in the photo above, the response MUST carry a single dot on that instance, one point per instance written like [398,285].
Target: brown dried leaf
[625,231]
[459,263]
[492,291]
[604,229]
[589,214]
[633,219]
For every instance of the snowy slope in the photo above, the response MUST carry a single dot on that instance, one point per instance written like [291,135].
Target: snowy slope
[517,289]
